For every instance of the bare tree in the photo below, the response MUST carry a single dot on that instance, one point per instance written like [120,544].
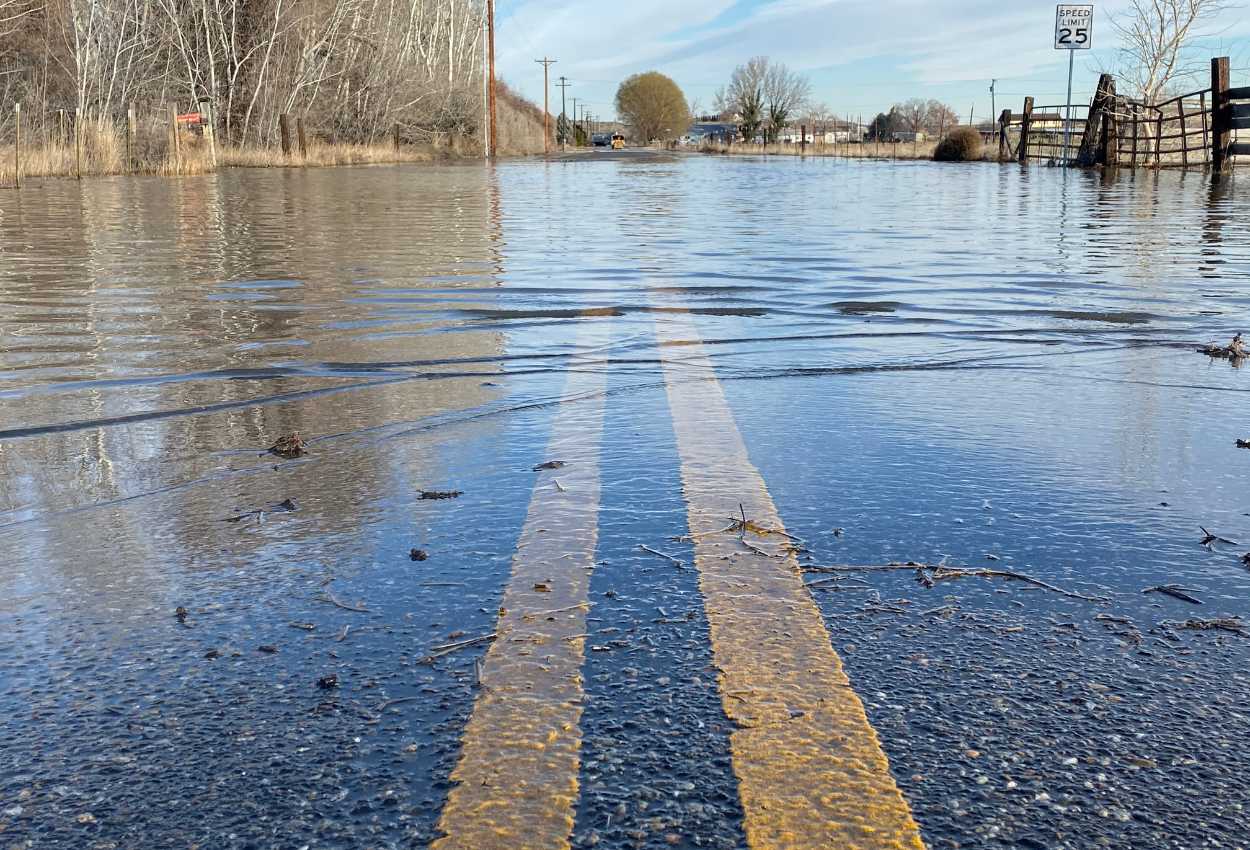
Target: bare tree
[12,12]
[1154,34]
[745,96]
[940,117]
[913,114]
[785,92]
[918,115]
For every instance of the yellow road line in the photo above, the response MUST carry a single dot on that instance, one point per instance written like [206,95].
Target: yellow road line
[520,756]
[811,772]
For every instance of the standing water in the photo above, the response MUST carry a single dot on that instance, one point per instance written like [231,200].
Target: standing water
[205,644]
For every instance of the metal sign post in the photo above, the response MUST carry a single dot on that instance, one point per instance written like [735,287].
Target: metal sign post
[1074,30]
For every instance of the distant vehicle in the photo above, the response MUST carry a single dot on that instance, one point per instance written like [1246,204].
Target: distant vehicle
[601,140]
[618,141]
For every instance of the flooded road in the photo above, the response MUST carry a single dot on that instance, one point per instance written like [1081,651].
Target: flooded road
[686,402]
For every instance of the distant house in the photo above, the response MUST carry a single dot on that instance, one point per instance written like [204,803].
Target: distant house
[715,132]
[829,133]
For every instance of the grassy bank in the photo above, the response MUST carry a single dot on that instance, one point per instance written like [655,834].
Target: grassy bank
[101,148]
[60,160]
[867,150]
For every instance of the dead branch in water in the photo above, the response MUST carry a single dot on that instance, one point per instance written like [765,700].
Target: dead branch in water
[329,597]
[448,648]
[681,565]
[930,574]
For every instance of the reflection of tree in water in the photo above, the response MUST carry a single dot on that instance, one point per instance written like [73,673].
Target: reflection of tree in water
[289,282]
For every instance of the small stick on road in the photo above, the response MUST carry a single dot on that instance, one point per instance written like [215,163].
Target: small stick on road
[681,565]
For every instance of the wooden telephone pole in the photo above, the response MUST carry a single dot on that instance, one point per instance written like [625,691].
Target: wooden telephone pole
[546,63]
[491,147]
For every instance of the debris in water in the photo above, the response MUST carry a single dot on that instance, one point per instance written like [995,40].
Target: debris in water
[551,464]
[328,682]
[290,446]
[674,561]
[418,554]
[1226,624]
[542,587]
[1175,591]
[1243,444]
[1245,559]
[441,494]
[929,574]
[212,653]
[285,506]
[306,627]
[1235,350]
[359,607]
[180,613]
[1208,538]
[268,648]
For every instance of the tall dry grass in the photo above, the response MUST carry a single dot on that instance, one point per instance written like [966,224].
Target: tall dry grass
[864,150]
[102,149]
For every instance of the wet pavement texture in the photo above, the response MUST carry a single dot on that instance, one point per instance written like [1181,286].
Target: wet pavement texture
[976,366]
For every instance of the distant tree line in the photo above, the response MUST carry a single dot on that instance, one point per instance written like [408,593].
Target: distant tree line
[354,68]
[916,115]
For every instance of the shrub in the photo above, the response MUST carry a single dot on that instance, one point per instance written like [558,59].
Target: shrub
[962,144]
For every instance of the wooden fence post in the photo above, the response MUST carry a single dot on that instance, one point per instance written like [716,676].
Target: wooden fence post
[803,139]
[396,132]
[1004,143]
[303,140]
[78,144]
[207,119]
[1221,118]
[17,146]
[284,132]
[1109,147]
[1087,153]
[130,139]
[176,146]
[1024,129]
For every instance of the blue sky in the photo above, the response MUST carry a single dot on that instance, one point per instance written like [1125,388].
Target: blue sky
[861,55]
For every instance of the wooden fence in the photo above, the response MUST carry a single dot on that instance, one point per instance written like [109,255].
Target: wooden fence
[1196,129]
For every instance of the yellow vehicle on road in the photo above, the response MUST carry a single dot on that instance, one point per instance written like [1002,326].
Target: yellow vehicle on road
[618,141]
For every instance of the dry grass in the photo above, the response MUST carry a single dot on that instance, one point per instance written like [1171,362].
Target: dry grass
[866,150]
[104,157]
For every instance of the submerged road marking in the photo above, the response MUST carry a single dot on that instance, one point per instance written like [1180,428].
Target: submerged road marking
[811,771]
[521,749]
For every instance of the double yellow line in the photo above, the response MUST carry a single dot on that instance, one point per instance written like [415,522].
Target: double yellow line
[811,772]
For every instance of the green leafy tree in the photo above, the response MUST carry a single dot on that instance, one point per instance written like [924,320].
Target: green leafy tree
[654,106]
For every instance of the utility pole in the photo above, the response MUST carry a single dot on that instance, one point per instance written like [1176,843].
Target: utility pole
[490,37]
[993,111]
[574,120]
[546,63]
[564,119]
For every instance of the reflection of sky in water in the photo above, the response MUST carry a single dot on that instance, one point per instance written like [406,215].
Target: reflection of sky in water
[900,343]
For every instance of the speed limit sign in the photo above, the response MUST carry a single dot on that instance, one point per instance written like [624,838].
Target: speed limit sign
[1074,27]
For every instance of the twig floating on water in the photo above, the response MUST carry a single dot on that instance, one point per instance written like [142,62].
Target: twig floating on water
[1175,591]
[448,648]
[929,574]
[681,565]
[329,597]
[1208,538]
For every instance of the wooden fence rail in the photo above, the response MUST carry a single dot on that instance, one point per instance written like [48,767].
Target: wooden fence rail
[1195,129]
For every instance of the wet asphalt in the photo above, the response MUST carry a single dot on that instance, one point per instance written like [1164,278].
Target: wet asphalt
[904,395]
